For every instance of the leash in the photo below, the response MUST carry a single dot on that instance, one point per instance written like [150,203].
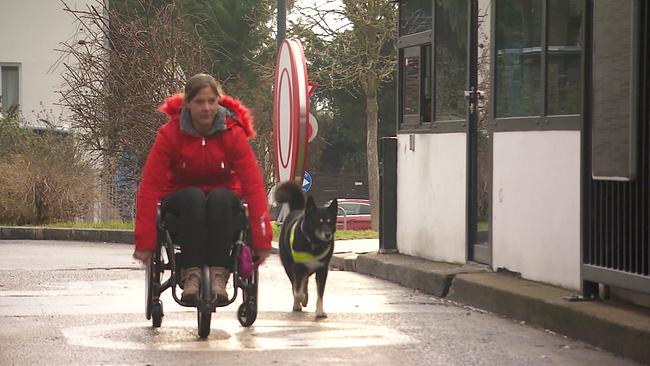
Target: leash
[303,257]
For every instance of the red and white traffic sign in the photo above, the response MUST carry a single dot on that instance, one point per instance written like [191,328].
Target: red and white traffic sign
[291,130]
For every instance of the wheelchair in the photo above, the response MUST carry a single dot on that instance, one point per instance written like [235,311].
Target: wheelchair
[168,258]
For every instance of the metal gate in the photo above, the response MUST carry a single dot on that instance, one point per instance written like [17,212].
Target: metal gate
[616,240]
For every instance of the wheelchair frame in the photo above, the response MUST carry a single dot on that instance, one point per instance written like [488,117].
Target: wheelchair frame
[205,305]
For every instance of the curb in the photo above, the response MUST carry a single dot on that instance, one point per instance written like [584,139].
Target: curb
[45,233]
[618,329]
[430,277]
[344,262]
[612,327]
[90,235]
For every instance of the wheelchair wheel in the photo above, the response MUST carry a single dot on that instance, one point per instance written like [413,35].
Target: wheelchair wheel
[157,314]
[152,284]
[247,312]
[204,316]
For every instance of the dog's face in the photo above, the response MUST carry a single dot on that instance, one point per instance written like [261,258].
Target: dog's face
[320,221]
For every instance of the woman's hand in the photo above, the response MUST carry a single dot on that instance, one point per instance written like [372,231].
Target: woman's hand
[143,256]
[262,254]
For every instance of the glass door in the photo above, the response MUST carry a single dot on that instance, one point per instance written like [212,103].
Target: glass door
[478,138]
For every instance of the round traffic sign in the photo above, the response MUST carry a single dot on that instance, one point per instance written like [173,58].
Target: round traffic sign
[290,112]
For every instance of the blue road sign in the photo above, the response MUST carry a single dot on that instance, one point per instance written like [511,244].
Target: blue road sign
[306,182]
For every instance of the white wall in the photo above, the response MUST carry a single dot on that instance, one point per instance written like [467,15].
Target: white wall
[536,205]
[431,196]
[30,31]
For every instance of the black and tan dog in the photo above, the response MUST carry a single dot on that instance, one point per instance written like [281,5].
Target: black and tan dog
[306,243]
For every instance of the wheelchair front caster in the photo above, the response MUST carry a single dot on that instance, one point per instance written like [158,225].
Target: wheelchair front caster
[203,314]
[247,313]
[204,323]
[156,314]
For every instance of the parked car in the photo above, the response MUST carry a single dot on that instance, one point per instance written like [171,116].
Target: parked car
[354,214]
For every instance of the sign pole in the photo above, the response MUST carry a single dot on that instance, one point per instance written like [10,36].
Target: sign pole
[282,22]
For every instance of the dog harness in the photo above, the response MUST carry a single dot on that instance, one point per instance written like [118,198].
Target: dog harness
[303,257]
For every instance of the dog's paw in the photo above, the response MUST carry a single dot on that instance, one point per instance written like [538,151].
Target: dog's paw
[299,297]
[320,313]
[296,305]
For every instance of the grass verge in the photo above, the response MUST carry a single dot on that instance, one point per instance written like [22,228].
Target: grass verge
[121,225]
[340,234]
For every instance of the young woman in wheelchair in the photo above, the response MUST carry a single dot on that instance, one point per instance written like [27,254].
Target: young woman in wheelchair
[199,169]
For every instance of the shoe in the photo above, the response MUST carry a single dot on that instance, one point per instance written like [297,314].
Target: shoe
[219,278]
[191,278]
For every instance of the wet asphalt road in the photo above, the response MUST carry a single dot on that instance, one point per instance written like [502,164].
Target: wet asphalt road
[71,303]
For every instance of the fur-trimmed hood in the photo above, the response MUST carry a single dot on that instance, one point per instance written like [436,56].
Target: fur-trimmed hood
[173,107]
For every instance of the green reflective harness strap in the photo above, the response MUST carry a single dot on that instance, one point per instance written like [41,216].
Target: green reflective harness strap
[302,257]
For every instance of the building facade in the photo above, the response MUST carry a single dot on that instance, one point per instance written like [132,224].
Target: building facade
[31,32]
[523,138]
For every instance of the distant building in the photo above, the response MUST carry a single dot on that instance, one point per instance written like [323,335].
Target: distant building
[31,31]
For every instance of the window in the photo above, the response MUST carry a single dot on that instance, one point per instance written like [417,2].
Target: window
[427,96]
[350,208]
[432,83]
[451,59]
[518,60]
[411,74]
[355,208]
[414,16]
[564,56]
[416,85]
[525,87]
[9,81]
[364,209]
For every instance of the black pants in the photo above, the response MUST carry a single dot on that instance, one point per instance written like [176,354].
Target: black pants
[206,224]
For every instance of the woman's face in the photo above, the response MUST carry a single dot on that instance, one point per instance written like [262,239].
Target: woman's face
[202,108]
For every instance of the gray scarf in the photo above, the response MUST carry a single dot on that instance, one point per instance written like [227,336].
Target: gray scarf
[218,124]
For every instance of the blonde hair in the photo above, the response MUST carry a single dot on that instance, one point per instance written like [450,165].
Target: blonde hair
[199,81]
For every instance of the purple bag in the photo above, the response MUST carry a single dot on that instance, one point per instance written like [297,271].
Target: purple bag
[246,264]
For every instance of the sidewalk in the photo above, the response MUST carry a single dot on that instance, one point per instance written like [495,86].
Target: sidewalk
[621,329]
[618,328]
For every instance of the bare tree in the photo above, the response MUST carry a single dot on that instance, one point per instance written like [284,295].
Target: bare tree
[118,68]
[358,50]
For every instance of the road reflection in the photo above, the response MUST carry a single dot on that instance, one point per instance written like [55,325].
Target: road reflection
[230,336]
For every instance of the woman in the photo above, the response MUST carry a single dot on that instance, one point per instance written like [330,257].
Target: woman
[198,168]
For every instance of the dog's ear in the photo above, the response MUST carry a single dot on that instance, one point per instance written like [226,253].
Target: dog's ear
[333,208]
[311,205]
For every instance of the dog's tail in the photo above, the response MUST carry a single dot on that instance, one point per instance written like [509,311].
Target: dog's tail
[290,192]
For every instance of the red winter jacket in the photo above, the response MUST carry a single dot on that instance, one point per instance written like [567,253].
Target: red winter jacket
[223,159]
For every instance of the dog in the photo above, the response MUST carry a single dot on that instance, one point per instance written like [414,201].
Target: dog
[306,243]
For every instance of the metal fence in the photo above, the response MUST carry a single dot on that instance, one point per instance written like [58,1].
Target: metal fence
[616,249]
[114,201]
